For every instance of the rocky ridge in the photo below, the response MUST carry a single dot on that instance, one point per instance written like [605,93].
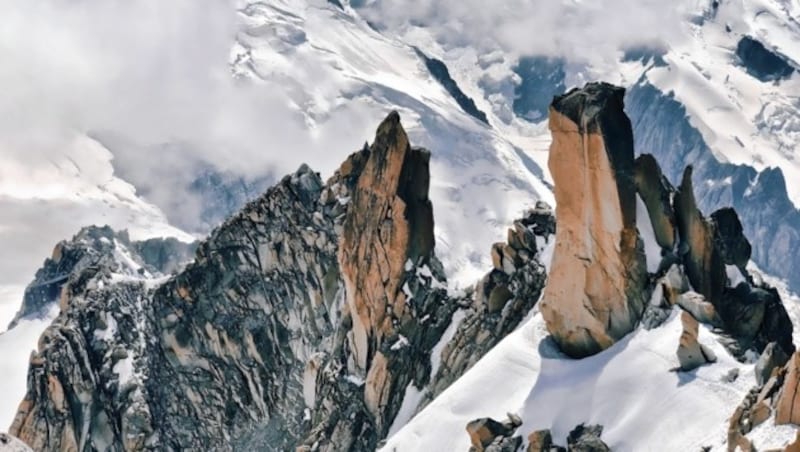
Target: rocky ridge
[300,322]
[308,319]
[700,268]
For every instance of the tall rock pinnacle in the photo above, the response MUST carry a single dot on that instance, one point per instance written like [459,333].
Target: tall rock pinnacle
[594,295]
[390,222]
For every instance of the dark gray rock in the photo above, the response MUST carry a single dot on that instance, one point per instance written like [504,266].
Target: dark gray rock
[771,358]
[656,192]
[586,438]
[769,219]
[760,62]
[730,239]
[440,72]
[99,247]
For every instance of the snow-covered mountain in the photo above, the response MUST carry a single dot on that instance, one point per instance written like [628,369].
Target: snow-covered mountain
[721,95]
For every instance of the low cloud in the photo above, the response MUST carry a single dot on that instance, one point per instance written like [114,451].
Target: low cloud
[580,31]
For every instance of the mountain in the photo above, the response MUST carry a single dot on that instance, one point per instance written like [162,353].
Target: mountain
[426,297]
[317,317]
[310,316]
[720,93]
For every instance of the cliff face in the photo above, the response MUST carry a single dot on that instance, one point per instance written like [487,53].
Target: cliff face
[595,294]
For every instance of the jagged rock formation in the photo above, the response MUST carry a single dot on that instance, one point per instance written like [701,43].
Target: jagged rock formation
[774,398]
[99,247]
[395,296]
[302,320]
[770,220]
[714,253]
[307,317]
[595,293]
[501,299]
[702,259]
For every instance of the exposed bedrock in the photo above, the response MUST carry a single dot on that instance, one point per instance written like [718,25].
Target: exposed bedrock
[595,293]
[656,191]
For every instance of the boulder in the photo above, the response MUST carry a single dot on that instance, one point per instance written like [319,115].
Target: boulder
[755,316]
[691,353]
[655,191]
[697,305]
[485,431]
[586,438]
[772,357]
[596,288]
[542,441]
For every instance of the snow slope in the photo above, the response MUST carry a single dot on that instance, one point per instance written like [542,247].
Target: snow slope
[630,389]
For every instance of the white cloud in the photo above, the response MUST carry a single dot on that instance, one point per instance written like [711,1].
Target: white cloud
[581,31]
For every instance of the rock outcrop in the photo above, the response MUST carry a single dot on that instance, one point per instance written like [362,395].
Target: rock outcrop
[586,438]
[487,434]
[701,258]
[301,322]
[692,354]
[501,299]
[656,193]
[774,399]
[99,247]
[596,291]
[583,438]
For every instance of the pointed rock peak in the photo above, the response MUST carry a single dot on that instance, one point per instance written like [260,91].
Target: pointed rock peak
[390,136]
[389,223]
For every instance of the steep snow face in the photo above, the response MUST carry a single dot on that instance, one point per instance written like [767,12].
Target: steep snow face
[329,62]
[46,198]
[631,389]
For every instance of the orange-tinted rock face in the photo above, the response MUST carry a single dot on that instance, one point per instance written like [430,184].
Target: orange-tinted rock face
[594,292]
[788,406]
[390,221]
